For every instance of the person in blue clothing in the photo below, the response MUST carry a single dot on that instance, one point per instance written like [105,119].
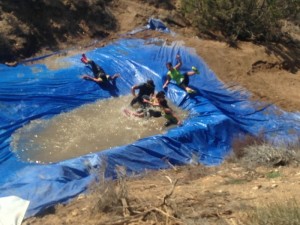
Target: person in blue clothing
[100,75]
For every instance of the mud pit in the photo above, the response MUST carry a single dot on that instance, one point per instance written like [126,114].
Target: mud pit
[90,128]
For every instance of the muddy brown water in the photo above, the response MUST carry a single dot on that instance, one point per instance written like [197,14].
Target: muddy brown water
[90,128]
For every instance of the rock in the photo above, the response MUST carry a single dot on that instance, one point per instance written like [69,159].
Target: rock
[257,187]
[74,213]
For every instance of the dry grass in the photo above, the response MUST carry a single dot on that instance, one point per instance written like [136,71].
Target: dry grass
[255,151]
[112,198]
[239,145]
[109,195]
[278,213]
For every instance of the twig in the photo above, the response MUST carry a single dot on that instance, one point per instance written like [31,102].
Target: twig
[171,192]
[143,214]
[125,207]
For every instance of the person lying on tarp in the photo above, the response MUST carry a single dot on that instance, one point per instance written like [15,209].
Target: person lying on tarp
[100,75]
[182,80]
[146,91]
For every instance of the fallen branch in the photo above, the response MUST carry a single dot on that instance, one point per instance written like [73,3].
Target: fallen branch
[142,215]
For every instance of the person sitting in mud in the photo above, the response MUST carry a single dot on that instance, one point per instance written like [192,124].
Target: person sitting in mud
[146,91]
[159,102]
[182,80]
[100,75]
[166,111]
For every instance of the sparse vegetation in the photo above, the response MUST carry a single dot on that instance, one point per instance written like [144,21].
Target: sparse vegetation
[256,20]
[236,181]
[166,4]
[255,151]
[30,25]
[268,155]
[110,195]
[278,213]
[273,174]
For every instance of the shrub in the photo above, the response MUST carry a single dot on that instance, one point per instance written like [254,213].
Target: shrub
[255,20]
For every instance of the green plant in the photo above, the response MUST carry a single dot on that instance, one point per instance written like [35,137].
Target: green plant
[236,181]
[273,174]
[256,20]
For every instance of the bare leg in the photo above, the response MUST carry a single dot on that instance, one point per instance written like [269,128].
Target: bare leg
[115,76]
[191,73]
[129,113]
[188,89]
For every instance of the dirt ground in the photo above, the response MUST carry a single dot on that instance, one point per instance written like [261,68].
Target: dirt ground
[189,195]
[196,194]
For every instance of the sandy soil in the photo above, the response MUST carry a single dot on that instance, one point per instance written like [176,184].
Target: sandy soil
[195,194]
[183,195]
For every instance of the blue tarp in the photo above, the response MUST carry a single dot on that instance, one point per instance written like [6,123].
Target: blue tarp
[216,116]
[153,24]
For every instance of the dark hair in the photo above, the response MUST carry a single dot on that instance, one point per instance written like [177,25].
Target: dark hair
[160,94]
[169,64]
[163,103]
[150,82]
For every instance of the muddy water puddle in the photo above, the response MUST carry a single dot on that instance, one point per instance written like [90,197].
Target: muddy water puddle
[90,128]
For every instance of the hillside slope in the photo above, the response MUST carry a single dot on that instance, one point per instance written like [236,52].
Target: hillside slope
[260,69]
[201,195]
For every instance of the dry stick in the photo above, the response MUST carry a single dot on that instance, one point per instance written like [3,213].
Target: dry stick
[164,204]
[171,192]
[144,214]
[170,164]
[125,207]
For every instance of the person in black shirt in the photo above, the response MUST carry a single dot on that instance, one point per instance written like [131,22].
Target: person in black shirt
[100,75]
[146,91]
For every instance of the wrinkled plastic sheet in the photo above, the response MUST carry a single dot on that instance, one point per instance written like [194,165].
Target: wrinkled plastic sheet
[153,24]
[217,114]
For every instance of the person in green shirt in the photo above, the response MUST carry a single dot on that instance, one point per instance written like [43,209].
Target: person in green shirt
[182,80]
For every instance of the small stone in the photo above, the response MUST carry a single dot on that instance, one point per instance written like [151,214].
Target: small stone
[81,196]
[74,213]
[257,187]
[274,186]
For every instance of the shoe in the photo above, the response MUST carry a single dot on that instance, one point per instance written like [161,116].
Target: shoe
[191,91]
[195,70]
[84,59]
